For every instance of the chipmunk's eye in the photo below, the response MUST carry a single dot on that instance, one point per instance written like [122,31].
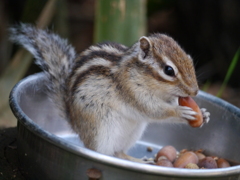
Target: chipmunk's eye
[168,70]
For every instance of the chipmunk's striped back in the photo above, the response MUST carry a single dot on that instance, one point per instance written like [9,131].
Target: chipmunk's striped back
[96,59]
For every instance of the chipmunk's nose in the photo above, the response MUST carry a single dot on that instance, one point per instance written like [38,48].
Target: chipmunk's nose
[194,91]
[190,91]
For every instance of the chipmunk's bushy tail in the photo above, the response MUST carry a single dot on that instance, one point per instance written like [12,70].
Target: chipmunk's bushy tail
[52,54]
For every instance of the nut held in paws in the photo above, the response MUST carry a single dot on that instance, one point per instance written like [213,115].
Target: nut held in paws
[189,102]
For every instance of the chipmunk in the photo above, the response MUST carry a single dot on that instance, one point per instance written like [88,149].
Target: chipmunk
[110,92]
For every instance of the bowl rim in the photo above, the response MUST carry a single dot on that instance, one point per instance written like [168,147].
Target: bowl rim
[30,125]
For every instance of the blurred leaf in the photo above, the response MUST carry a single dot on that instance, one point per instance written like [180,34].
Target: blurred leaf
[229,73]
[21,61]
[206,86]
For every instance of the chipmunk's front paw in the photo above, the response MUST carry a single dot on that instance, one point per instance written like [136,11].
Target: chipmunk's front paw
[187,113]
[206,115]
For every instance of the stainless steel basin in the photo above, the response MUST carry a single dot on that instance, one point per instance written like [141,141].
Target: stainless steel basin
[49,149]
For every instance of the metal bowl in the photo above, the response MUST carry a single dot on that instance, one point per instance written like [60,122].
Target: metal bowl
[49,149]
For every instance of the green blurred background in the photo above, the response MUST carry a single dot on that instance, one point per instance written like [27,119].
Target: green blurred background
[207,29]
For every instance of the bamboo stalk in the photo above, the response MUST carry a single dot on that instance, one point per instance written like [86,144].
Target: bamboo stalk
[60,20]
[122,21]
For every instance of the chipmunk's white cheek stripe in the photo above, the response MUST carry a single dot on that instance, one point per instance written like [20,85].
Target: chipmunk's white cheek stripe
[163,75]
[155,66]
[170,63]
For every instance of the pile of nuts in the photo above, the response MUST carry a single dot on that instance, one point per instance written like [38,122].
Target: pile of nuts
[168,157]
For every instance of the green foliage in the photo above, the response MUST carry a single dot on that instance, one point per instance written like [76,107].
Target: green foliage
[229,72]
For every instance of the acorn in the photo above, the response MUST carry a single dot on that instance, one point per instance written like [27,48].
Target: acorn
[163,161]
[169,152]
[199,154]
[189,102]
[183,151]
[222,163]
[208,163]
[186,158]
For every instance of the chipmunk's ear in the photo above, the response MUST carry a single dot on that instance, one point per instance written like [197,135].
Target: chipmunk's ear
[145,46]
